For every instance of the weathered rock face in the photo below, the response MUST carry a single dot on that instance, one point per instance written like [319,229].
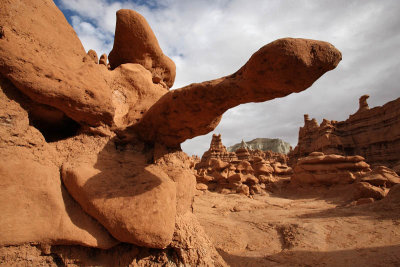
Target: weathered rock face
[280,68]
[135,42]
[244,171]
[61,110]
[368,185]
[372,133]
[264,144]
[42,56]
[331,169]
[216,151]
[35,205]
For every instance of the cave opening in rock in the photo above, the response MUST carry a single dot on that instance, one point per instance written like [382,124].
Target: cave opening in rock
[52,123]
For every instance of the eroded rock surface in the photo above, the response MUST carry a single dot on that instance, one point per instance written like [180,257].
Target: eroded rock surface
[280,68]
[135,42]
[61,110]
[319,168]
[372,133]
[243,171]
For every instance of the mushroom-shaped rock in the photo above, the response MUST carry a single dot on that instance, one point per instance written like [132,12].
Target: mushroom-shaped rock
[282,67]
[135,42]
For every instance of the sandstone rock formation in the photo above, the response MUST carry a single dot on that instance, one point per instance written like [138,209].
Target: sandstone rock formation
[76,175]
[264,144]
[331,169]
[51,60]
[282,67]
[243,171]
[135,42]
[372,133]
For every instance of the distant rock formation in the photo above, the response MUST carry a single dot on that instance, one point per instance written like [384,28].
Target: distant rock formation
[243,171]
[263,144]
[368,185]
[331,169]
[372,133]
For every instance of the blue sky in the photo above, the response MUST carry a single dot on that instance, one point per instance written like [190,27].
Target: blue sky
[209,39]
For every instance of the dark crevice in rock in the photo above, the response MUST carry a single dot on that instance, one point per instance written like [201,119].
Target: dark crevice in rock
[53,124]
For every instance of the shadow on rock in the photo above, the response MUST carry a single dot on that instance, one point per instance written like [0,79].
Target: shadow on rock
[134,200]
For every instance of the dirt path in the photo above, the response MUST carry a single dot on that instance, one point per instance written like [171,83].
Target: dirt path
[304,227]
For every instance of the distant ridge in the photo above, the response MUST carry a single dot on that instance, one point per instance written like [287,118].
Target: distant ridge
[273,144]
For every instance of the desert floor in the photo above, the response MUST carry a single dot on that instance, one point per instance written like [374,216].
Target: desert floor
[300,226]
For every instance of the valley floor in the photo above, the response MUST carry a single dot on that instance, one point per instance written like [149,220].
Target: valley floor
[314,226]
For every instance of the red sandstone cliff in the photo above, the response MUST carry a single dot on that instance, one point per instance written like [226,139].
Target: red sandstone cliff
[371,133]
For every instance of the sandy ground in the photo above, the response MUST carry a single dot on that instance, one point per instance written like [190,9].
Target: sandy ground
[312,226]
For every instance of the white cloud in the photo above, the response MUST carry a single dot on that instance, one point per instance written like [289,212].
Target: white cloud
[210,39]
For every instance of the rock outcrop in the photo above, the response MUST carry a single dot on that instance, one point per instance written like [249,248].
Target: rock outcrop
[280,68]
[331,169]
[90,154]
[135,42]
[243,171]
[275,145]
[372,133]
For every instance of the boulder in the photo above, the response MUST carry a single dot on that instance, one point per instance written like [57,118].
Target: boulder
[381,176]
[134,201]
[366,190]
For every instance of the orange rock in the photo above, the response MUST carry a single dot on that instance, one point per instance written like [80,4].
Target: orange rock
[57,76]
[136,204]
[381,176]
[276,70]
[36,208]
[91,56]
[363,201]
[103,59]
[201,186]
[372,133]
[135,42]
[329,169]
[366,190]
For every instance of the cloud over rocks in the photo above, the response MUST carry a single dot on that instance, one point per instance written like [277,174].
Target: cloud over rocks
[210,39]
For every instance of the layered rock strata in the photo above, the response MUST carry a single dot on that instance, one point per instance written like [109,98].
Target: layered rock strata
[319,168]
[329,170]
[372,133]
